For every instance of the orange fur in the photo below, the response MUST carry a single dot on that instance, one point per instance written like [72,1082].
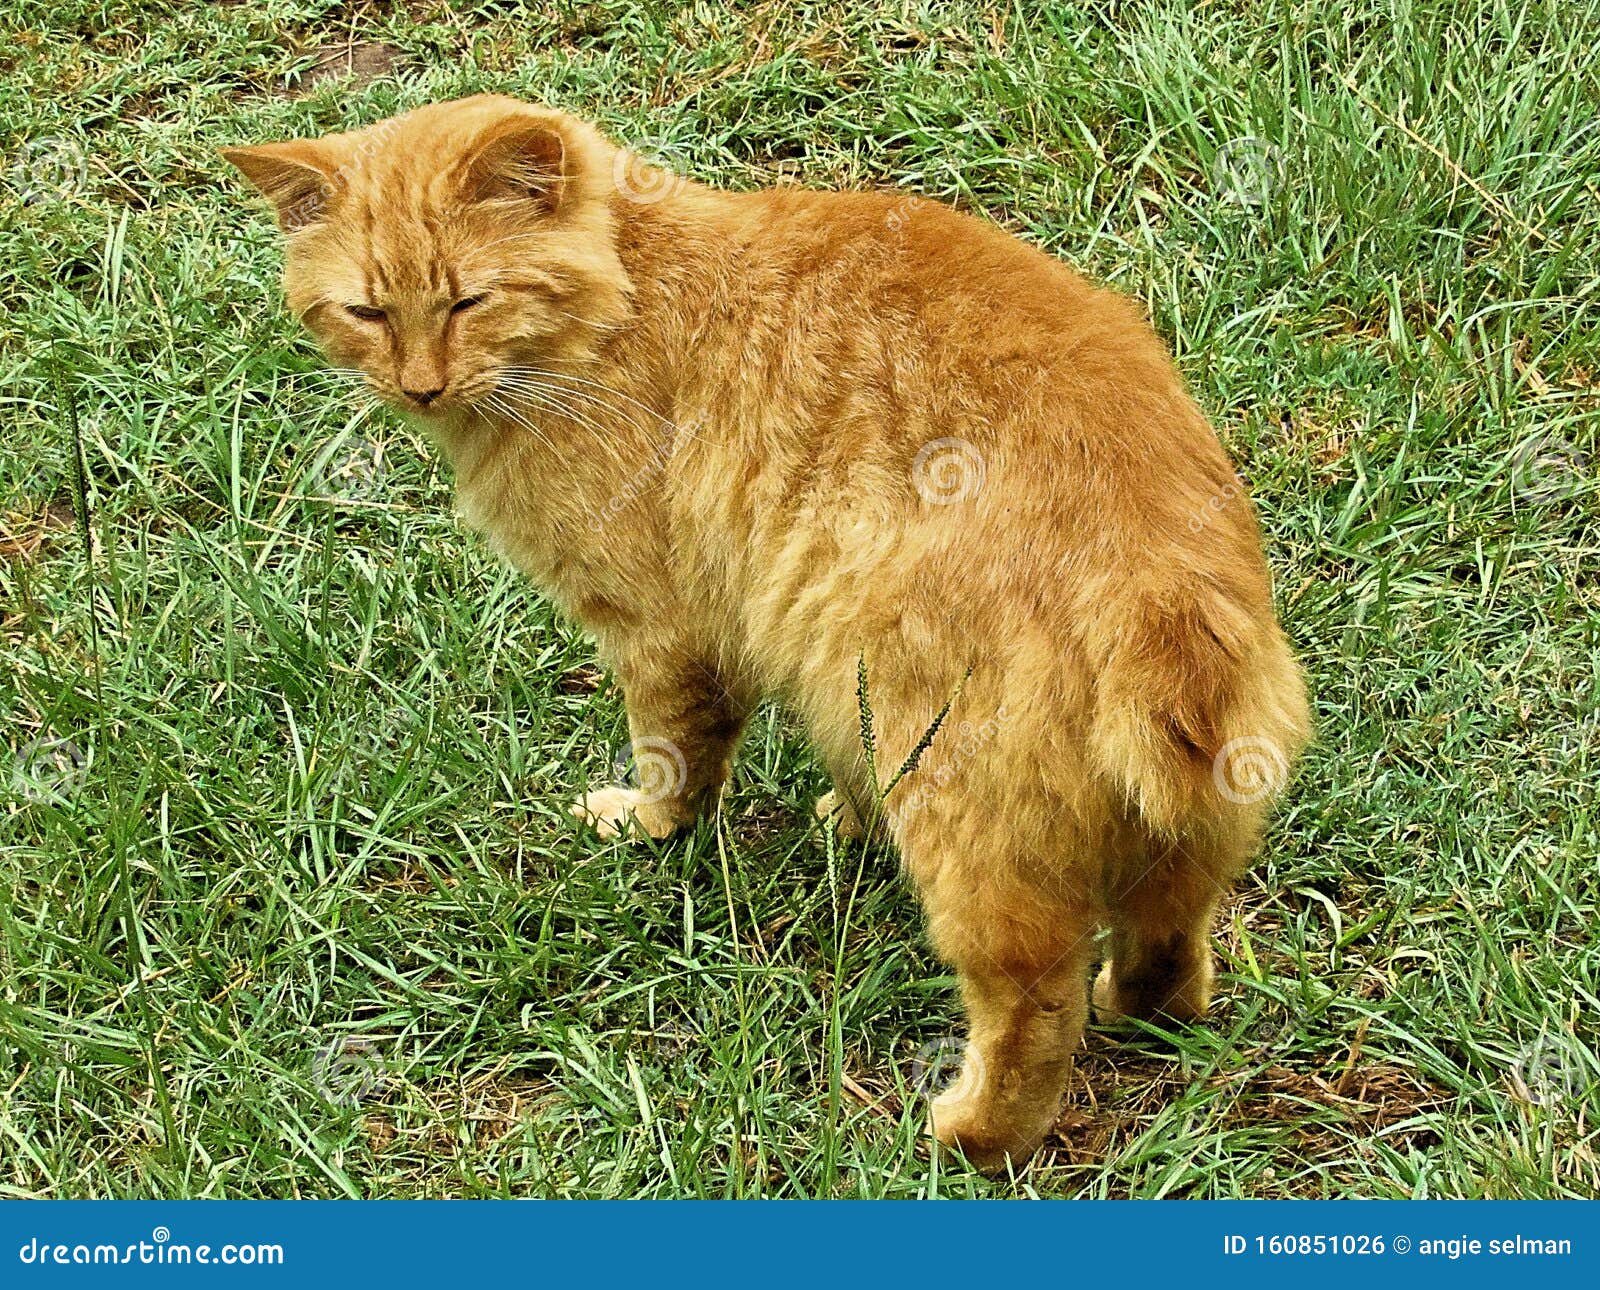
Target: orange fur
[750,438]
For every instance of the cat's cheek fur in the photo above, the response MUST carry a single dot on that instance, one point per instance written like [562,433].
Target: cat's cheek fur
[787,435]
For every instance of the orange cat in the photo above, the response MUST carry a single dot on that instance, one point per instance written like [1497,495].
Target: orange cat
[750,440]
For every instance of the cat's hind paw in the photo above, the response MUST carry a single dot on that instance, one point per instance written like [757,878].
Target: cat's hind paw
[846,823]
[1103,999]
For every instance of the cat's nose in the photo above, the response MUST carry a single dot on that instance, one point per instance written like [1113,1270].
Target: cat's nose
[423,397]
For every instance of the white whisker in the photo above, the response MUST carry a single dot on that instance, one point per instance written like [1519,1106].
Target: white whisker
[510,414]
[565,394]
[562,402]
[590,322]
[553,405]
[547,374]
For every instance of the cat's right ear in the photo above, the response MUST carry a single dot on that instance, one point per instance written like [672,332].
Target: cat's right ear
[523,160]
[297,176]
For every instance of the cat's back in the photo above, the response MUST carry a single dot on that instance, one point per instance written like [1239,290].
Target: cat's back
[959,302]
[955,264]
[898,320]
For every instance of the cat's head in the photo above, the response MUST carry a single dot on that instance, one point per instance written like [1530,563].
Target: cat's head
[436,250]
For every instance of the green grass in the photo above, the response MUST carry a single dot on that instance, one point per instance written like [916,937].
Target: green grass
[328,741]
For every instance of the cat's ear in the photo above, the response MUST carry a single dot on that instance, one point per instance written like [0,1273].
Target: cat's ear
[297,176]
[522,160]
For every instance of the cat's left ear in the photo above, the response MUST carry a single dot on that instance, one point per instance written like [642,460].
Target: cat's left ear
[297,175]
[522,159]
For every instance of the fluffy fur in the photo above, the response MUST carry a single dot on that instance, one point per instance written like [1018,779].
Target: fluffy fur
[751,439]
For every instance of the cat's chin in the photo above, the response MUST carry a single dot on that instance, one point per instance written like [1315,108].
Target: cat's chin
[452,428]
[428,416]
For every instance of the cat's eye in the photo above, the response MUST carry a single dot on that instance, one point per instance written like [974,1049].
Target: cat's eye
[465,303]
[366,312]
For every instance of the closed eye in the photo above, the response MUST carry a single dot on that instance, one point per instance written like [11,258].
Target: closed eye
[465,303]
[366,312]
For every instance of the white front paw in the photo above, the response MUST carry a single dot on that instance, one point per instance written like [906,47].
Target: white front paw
[614,812]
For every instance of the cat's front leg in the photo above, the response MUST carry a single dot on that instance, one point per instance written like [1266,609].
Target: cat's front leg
[684,725]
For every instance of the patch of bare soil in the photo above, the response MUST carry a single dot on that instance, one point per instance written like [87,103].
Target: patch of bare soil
[1116,1093]
[22,536]
[586,678]
[359,61]
[484,1111]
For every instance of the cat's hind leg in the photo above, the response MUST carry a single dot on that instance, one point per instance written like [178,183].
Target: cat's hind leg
[1022,951]
[1161,910]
